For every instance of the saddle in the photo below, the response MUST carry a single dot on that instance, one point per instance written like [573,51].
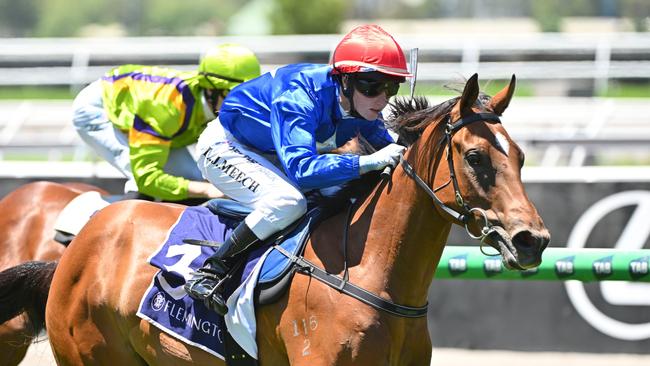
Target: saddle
[260,277]
[278,273]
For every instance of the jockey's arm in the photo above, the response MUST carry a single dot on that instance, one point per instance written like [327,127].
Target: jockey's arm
[147,161]
[293,122]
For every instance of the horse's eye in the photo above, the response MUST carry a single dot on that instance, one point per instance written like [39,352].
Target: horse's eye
[473,158]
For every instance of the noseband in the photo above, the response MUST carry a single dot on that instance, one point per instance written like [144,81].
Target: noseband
[465,211]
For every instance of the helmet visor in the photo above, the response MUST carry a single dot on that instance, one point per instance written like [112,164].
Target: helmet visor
[212,74]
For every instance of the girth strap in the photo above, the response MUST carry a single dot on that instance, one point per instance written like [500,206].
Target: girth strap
[342,285]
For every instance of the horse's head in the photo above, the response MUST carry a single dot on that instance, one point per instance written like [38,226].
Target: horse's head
[472,167]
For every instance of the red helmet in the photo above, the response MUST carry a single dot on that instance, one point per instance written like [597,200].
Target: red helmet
[369,48]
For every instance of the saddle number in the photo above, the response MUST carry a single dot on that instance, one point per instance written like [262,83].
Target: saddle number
[188,253]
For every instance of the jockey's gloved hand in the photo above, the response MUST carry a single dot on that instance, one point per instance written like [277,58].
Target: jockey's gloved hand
[389,155]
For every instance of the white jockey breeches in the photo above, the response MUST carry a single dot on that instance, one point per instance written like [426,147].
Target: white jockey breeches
[95,129]
[251,178]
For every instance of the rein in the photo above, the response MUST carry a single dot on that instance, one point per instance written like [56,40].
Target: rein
[343,285]
[465,213]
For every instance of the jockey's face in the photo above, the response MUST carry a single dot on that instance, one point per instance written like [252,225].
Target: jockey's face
[371,92]
[215,97]
[369,107]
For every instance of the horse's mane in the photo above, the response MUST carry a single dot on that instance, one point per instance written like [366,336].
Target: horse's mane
[410,116]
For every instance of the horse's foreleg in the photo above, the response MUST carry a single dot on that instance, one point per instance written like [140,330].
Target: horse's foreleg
[160,349]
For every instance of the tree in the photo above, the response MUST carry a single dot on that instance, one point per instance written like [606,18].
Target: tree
[638,11]
[548,14]
[17,18]
[307,17]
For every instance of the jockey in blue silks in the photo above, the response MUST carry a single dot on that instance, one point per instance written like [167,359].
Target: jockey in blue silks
[271,140]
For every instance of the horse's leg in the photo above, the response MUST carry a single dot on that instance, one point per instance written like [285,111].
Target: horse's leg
[270,346]
[310,326]
[158,348]
[27,217]
[97,288]
[292,332]
[416,346]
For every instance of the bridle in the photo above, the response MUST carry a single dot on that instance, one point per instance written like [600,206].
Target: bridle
[463,215]
[343,284]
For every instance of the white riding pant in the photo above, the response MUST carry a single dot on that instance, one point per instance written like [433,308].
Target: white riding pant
[251,178]
[96,130]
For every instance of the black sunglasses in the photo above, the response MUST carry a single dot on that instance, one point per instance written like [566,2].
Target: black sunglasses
[372,88]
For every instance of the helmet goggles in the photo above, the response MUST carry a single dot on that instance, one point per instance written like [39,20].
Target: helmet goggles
[373,84]
[372,88]
[223,77]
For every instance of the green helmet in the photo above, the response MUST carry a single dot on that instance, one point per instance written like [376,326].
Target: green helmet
[227,65]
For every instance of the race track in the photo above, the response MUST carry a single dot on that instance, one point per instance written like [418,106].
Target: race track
[40,355]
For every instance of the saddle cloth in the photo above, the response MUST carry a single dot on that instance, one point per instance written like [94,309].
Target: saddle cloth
[166,305]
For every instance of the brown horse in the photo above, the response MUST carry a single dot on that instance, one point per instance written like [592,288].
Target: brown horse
[26,234]
[461,167]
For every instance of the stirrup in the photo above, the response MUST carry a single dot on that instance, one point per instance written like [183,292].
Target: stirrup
[220,307]
[206,276]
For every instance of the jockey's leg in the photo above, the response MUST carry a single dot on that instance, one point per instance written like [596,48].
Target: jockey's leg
[250,178]
[96,130]
[202,286]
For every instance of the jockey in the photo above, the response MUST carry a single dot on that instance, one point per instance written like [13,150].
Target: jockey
[270,141]
[142,118]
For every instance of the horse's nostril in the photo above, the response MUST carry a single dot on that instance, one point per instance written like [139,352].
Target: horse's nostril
[525,240]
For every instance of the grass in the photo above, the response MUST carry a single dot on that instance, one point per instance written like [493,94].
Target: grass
[627,90]
[36,92]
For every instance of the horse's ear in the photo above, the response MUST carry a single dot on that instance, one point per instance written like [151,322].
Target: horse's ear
[470,93]
[501,100]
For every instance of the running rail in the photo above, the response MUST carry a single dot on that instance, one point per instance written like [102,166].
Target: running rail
[558,264]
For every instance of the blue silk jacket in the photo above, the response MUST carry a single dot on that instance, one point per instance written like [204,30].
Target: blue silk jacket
[295,112]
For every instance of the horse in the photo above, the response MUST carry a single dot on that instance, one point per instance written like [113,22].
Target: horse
[26,234]
[460,167]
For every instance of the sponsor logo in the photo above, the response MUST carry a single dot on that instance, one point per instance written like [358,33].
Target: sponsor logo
[176,311]
[158,301]
[634,236]
[639,267]
[492,266]
[458,264]
[565,267]
[602,267]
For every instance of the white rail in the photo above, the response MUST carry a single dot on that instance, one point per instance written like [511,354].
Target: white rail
[596,57]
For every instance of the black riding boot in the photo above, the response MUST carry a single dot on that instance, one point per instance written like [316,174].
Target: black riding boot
[205,284]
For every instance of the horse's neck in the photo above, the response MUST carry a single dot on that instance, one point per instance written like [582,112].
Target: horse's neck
[404,241]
